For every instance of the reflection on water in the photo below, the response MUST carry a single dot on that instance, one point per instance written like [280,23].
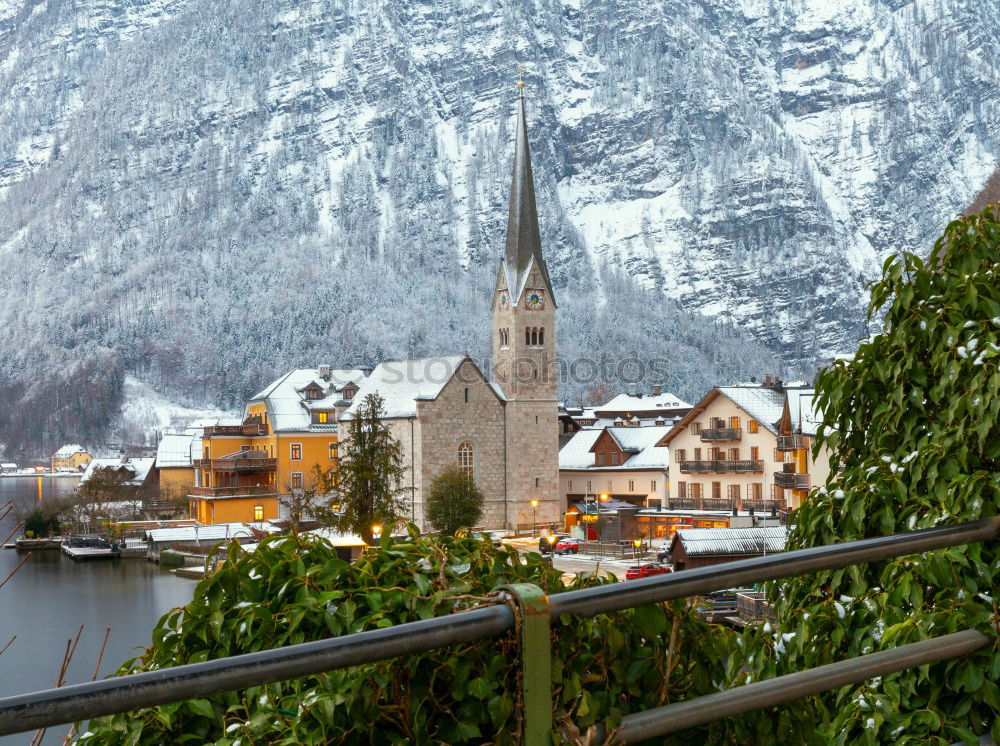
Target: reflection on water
[45,603]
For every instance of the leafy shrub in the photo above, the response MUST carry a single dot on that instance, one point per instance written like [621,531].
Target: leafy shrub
[454,501]
[293,590]
[914,420]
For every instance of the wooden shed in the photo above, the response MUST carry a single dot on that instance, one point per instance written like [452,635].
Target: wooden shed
[712,546]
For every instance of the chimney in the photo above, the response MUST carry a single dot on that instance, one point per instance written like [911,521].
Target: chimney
[657,389]
[633,389]
[324,372]
[777,386]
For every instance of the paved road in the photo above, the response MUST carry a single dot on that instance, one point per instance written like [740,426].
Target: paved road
[571,563]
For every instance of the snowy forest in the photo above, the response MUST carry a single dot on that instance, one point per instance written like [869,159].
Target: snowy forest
[202,194]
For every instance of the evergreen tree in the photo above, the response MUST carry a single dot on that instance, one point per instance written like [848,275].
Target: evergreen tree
[367,482]
[454,501]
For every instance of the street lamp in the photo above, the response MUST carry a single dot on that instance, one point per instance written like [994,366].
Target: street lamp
[534,514]
[376,530]
[636,543]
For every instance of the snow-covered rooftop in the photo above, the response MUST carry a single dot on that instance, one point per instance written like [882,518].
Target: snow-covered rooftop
[213,533]
[287,407]
[576,453]
[802,411]
[763,403]
[68,450]
[733,541]
[402,382]
[177,450]
[625,403]
[138,467]
[336,538]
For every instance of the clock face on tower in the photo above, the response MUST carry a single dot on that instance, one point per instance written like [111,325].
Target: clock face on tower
[534,300]
[504,299]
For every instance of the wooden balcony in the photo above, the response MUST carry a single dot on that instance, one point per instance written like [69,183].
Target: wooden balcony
[791,442]
[237,463]
[257,491]
[703,503]
[247,430]
[721,467]
[764,506]
[717,434]
[790,480]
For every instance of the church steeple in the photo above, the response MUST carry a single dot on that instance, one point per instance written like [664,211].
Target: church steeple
[524,244]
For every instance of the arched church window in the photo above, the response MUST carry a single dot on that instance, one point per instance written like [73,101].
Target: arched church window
[534,336]
[541,336]
[466,459]
[527,335]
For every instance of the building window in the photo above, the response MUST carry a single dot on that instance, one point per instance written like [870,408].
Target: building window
[696,490]
[779,456]
[538,482]
[207,457]
[527,335]
[758,491]
[466,459]
[589,488]
[682,489]
[754,453]
[734,454]
[541,336]
[681,454]
[296,480]
[696,428]
[734,492]
[734,423]
[614,459]
[717,490]
[333,451]
[466,394]
[322,418]
[246,447]
[697,454]
[258,512]
[570,488]
[296,450]
[631,486]
[600,459]
[752,426]
[652,486]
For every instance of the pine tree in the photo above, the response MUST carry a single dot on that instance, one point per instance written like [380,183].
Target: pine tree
[454,501]
[370,475]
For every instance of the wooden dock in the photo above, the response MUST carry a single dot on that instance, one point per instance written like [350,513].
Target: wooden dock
[92,553]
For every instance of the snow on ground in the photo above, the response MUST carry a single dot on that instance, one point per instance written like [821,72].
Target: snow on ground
[146,411]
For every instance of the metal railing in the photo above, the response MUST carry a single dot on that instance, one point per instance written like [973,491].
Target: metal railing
[109,696]
[722,466]
[791,442]
[791,480]
[254,491]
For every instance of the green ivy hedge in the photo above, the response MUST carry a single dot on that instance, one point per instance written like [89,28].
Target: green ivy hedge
[294,590]
[914,420]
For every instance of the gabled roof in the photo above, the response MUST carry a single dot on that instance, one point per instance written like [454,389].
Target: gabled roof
[732,541]
[762,403]
[803,414]
[524,245]
[68,450]
[175,451]
[138,467]
[287,408]
[401,383]
[578,453]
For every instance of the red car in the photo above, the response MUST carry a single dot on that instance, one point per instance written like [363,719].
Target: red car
[645,571]
[568,546]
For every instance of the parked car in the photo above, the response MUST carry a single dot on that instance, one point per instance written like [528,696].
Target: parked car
[493,537]
[568,546]
[663,552]
[547,544]
[645,571]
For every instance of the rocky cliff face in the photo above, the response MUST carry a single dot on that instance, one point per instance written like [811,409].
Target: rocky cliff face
[203,192]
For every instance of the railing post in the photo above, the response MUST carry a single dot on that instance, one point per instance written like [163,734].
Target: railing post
[536,661]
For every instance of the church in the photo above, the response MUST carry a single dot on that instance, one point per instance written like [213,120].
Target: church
[504,432]
[502,429]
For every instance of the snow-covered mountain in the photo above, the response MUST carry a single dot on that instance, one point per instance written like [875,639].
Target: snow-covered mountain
[202,193]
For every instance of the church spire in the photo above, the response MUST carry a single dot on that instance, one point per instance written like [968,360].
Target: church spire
[523,237]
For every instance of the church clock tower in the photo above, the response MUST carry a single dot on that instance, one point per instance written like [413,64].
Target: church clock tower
[524,351]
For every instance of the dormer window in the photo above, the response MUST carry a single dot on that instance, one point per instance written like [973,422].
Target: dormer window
[349,391]
[313,392]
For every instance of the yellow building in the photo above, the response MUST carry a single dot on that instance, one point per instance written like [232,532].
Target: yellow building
[72,457]
[287,430]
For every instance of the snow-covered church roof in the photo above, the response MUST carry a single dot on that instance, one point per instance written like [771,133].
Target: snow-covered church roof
[402,382]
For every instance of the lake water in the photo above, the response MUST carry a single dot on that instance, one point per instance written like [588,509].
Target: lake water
[48,599]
